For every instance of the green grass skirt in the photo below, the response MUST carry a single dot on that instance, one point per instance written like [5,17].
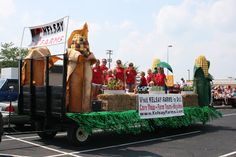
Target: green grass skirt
[130,122]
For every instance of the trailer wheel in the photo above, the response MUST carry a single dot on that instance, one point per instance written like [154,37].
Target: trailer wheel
[44,134]
[77,135]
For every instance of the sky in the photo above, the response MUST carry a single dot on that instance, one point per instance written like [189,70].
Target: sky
[138,30]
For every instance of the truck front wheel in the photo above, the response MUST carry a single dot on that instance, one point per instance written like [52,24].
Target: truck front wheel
[77,135]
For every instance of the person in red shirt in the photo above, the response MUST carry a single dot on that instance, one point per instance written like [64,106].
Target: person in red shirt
[130,74]
[150,77]
[109,76]
[104,68]
[97,73]
[161,79]
[119,71]
[143,80]
[103,65]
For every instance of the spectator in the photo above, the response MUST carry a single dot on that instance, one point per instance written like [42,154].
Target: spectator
[183,83]
[234,92]
[130,74]
[227,93]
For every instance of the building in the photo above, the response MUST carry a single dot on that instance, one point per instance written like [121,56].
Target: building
[223,82]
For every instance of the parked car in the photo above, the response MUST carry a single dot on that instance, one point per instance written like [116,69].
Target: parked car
[1,127]
[10,114]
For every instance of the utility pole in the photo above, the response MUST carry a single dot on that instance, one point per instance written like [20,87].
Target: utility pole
[109,60]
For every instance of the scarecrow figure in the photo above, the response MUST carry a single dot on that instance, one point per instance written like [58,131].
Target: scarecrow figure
[79,73]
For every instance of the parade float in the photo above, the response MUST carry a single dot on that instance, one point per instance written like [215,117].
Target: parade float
[77,108]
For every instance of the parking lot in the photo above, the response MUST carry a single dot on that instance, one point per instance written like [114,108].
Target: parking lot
[217,138]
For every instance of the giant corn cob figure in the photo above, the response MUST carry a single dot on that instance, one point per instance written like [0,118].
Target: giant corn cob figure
[154,64]
[202,81]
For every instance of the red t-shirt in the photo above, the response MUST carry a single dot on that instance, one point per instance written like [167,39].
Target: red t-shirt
[160,79]
[130,75]
[150,78]
[97,75]
[104,68]
[143,81]
[120,73]
[110,76]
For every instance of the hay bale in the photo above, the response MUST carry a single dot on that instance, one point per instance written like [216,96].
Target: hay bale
[133,102]
[190,100]
[122,102]
[118,102]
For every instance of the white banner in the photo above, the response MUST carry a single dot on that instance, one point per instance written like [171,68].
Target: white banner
[160,105]
[49,34]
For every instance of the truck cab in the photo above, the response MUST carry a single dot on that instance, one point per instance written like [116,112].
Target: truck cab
[8,89]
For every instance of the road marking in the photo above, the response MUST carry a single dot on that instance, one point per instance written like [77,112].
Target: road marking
[13,155]
[38,145]
[231,114]
[126,144]
[229,154]
[30,137]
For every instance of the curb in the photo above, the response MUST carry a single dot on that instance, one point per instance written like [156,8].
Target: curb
[223,107]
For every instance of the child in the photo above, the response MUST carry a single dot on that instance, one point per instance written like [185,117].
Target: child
[109,76]
[141,88]
[161,79]
[130,74]
[143,81]
[120,71]
[150,77]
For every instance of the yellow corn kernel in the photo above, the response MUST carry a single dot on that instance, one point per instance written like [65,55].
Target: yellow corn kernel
[202,62]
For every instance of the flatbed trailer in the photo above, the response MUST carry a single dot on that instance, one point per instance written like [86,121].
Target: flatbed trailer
[46,106]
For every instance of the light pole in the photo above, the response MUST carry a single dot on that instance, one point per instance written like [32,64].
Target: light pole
[188,74]
[109,60]
[167,57]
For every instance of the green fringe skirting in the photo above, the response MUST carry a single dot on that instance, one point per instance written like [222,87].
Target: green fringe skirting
[130,122]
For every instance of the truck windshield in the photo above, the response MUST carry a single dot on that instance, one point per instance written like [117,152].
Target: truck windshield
[2,81]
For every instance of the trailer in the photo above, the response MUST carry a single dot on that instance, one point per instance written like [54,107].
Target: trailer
[46,106]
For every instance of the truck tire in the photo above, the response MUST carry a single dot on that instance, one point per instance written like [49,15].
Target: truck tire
[77,135]
[45,132]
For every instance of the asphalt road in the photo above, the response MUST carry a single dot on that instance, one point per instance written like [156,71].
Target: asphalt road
[216,139]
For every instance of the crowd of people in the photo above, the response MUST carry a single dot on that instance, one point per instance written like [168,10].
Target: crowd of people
[223,93]
[127,75]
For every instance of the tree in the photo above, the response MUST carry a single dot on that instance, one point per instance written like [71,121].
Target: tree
[9,55]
